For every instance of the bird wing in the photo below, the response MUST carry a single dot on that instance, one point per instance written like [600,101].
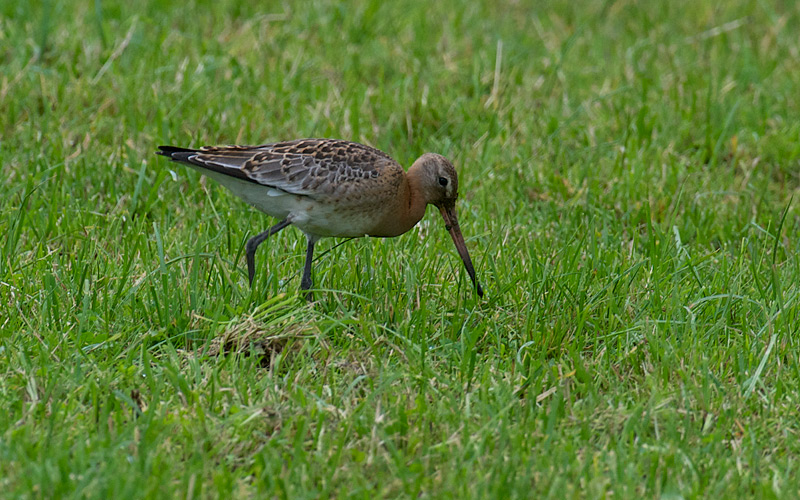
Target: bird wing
[308,167]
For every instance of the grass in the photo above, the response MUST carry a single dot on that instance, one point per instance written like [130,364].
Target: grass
[630,174]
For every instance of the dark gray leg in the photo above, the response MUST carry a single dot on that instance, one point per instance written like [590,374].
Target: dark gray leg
[252,244]
[305,283]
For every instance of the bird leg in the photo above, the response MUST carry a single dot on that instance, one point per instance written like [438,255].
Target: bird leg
[305,282]
[252,244]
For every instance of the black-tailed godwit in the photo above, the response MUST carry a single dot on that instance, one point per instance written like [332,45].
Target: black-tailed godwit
[331,188]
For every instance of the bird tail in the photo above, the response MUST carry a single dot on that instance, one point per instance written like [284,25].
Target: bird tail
[175,153]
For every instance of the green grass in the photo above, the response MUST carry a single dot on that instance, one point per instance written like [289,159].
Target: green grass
[630,174]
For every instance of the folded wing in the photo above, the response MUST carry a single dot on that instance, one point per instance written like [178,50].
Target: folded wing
[306,167]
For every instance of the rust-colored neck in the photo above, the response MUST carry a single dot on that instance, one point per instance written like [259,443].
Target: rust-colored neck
[410,205]
[416,201]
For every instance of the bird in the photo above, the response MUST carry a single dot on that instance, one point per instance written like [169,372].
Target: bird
[331,188]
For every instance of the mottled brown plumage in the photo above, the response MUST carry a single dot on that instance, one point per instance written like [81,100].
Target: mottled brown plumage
[331,188]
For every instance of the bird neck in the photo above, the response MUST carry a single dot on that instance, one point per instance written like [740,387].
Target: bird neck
[415,198]
[407,209]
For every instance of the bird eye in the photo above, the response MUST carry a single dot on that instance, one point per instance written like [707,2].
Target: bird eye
[442,181]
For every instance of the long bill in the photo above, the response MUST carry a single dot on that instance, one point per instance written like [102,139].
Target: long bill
[451,221]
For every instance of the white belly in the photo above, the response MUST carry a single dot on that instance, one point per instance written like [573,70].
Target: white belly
[312,217]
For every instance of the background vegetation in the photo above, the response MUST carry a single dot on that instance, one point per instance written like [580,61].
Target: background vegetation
[629,175]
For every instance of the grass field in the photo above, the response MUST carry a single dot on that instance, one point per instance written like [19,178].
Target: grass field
[629,175]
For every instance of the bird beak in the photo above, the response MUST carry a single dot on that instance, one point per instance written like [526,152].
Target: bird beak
[451,221]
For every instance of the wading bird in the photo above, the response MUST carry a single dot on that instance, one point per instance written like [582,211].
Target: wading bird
[331,188]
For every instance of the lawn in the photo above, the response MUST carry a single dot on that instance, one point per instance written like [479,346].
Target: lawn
[630,195]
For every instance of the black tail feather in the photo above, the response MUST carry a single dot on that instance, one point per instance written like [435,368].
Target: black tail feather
[175,153]
[190,157]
